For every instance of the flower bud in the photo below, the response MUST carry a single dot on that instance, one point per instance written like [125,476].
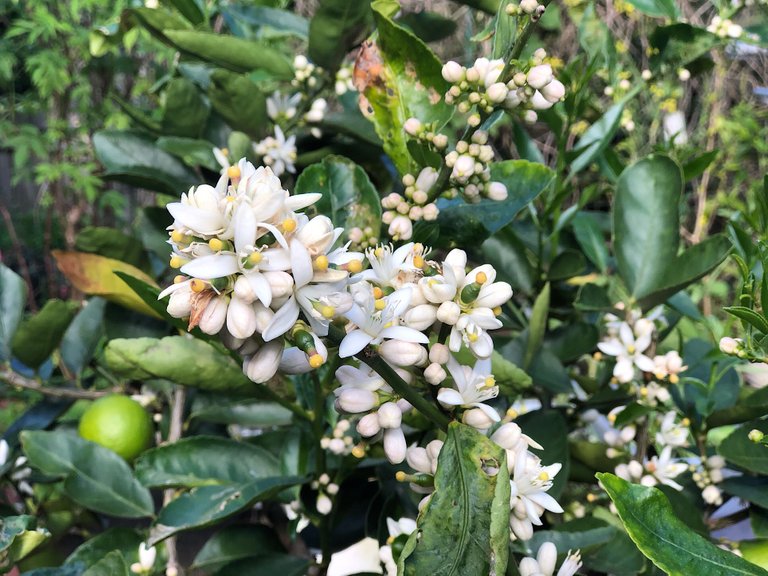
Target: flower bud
[180,303]
[316,235]
[243,290]
[507,435]
[403,353]
[635,469]
[413,126]
[554,91]
[394,445]
[324,504]
[529,567]
[523,529]
[262,366]
[712,495]
[281,283]
[463,168]
[369,425]
[729,345]
[401,228]
[430,212]
[300,62]
[453,72]
[355,400]
[448,313]
[433,451]
[426,179]
[420,317]
[529,6]
[439,353]
[477,418]
[539,76]
[147,556]
[539,102]
[419,460]
[241,318]
[547,558]
[215,314]
[497,92]
[435,374]
[497,191]
[389,415]
[756,435]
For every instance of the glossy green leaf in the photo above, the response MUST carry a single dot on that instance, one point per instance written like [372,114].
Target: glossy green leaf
[548,428]
[752,404]
[748,488]
[504,32]
[662,537]
[754,319]
[349,198]
[159,20]
[465,526]
[204,461]
[236,543]
[236,54]
[597,137]
[126,540]
[13,295]
[738,449]
[657,8]
[281,20]
[567,264]
[184,112]
[591,240]
[112,243]
[537,326]
[680,44]
[410,85]
[207,505]
[428,26]
[192,151]
[696,166]
[336,27]
[351,123]
[19,536]
[113,564]
[134,158]
[94,476]
[183,360]
[464,224]
[269,565]
[508,255]
[255,413]
[190,10]
[38,336]
[82,336]
[239,101]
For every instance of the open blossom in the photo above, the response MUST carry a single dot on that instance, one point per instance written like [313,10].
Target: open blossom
[628,347]
[545,562]
[278,152]
[473,387]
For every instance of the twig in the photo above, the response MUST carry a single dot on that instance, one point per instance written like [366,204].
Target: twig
[17,380]
[174,434]
[23,267]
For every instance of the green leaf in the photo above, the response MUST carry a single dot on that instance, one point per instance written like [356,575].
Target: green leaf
[505,252]
[680,44]
[269,565]
[752,404]
[236,543]
[410,85]
[645,222]
[13,295]
[208,505]
[748,488]
[189,362]
[190,10]
[184,112]
[428,26]
[204,461]
[696,166]
[158,20]
[662,537]
[597,137]
[113,564]
[537,326]
[37,337]
[239,101]
[111,243]
[19,536]
[548,428]
[126,540]
[236,54]
[255,413]
[82,336]
[336,27]
[738,449]
[749,316]
[464,224]
[94,476]
[567,264]
[591,240]
[465,526]
[281,20]
[192,151]
[657,8]
[349,199]
[504,32]
[133,158]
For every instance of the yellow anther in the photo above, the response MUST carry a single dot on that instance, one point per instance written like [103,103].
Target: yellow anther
[177,261]
[473,337]
[378,252]
[481,278]
[418,262]
[380,304]
[674,378]
[179,278]
[631,349]
[543,476]
[355,266]
[178,236]
[685,422]
[390,539]
[591,498]
[315,361]
[597,356]
[358,451]
[378,292]
[216,245]
[327,311]
[230,198]
[643,391]
[255,257]
[497,311]
[490,382]
[197,285]
[512,413]
[225,151]
[400,476]
[611,418]
[289,225]
[659,375]
[321,263]
[233,172]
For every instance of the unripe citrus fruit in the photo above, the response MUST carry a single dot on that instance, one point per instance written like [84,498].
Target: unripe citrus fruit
[118,423]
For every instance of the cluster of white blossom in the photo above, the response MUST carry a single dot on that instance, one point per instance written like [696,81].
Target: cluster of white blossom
[545,562]
[327,490]
[343,82]
[400,211]
[724,28]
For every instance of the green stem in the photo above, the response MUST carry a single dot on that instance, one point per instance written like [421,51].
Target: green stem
[295,408]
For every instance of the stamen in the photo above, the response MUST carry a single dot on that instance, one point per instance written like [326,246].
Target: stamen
[321,263]
[233,172]
[177,261]
[197,285]
[216,245]
[354,266]
[289,225]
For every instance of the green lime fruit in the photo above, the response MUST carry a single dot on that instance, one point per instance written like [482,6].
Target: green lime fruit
[118,423]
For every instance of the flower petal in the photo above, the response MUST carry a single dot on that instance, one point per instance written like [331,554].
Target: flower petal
[213,266]
[353,343]
[283,320]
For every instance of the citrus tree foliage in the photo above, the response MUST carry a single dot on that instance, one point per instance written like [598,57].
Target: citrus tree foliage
[496,313]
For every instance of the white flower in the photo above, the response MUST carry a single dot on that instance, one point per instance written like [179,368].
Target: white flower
[374,325]
[281,106]
[5,449]
[628,351]
[203,210]
[539,76]
[146,560]
[278,152]
[453,72]
[663,470]
[474,387]
[545,561]
[672,433]
[394,445]
[263,365]
[530,483]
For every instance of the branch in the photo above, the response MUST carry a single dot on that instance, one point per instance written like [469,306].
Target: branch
[174,434]
[18,381]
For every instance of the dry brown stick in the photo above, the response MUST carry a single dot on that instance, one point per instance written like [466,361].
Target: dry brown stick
[18,381]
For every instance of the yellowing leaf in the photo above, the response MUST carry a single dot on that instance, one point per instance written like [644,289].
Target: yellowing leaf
[95,275]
